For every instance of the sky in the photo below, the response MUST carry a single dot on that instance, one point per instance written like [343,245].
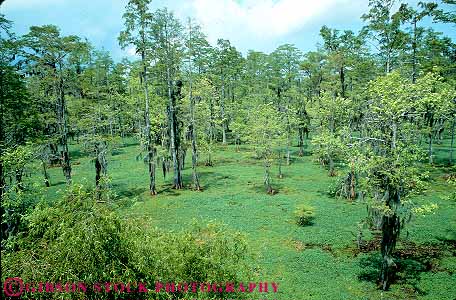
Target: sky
[260,25]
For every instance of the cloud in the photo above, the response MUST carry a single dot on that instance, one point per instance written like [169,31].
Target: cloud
[248,24]
[263,19]
[131,51]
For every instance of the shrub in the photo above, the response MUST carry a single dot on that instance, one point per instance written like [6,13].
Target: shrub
[304,215]
[80,240]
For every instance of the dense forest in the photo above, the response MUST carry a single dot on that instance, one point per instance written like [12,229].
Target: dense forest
[177,165]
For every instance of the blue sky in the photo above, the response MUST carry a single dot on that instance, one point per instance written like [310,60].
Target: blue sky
[261,25]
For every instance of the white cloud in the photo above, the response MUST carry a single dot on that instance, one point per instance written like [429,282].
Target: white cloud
[131,51]
[264,19]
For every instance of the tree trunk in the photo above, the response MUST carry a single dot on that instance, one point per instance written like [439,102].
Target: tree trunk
[111,130]
[209,162]
[332,171]
[47,182]
[173,133]
[183,156]
[63,130]
[288,134]
[101,170]
[280,164]
[2,182]
[196,184]
[352,184]
[342,81]
[301,142]
[391,226]
[452,140]
[150,144]
[388,61]
[97,172]
[18,176]
[195,177]
[212,121]
[431,160]
[267,178]
[222,111]
[390,233]
[414,46]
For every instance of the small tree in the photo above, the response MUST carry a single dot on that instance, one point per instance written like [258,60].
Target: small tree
[138,21]
[329,147]
[266,134]
[435,104]
[390,160]
[333,115]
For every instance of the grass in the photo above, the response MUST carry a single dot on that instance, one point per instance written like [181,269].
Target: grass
[311,262]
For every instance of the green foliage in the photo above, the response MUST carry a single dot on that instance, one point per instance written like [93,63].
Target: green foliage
[78,239]
[265,130]
[331,140]
[17,204]
[19,120]
[371,128]
[304,215]
[451,180]
[328,146]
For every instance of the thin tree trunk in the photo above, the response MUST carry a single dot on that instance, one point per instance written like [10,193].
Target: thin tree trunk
[414,46]
[352,181]
[101,170]
[196,184]
[267,178]
[97,173]
[212,121]
[342,81]
[2,181]
[18,176]
[222,111]
[388,62]
[150,144]
[301,142]
[280,164]
[332,171]
[452,140]
[47,182]
[288,132]
[431,160]
[288,152]
[65,155]
[195,177]
[173,133]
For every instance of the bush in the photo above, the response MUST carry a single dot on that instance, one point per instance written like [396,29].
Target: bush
[16,204]
[79,240]
[345,187]
[304,215]
[451,180]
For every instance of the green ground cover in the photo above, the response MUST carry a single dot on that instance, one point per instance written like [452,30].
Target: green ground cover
[320,261]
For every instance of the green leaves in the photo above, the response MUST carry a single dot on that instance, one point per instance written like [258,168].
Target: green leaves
[265,130]
[137,20]
[78,239]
